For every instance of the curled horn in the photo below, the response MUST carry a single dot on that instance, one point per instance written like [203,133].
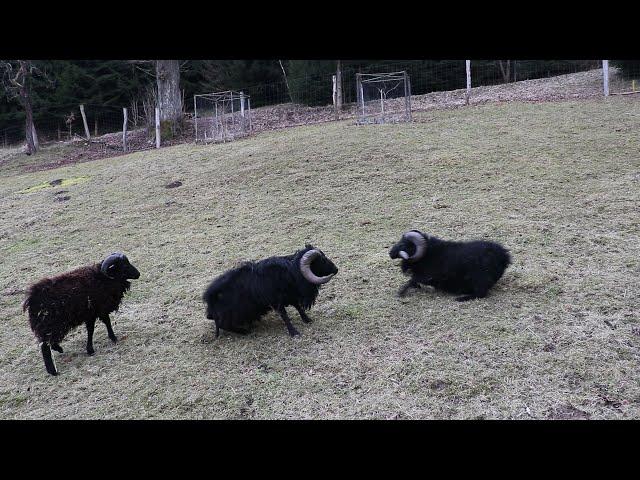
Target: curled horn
[305,268]
[107,262]
[421,245]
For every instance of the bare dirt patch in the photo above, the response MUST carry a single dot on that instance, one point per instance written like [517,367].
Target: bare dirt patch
[568,412]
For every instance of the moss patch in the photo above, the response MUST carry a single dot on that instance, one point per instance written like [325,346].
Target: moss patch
[65,182]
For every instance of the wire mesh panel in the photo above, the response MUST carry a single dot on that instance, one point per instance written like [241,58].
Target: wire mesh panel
[624,77]
[383,97]
[222,116]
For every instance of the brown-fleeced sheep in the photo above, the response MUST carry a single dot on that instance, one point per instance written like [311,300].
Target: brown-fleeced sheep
[57,305]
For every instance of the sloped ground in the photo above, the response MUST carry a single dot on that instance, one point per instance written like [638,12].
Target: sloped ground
[573,86]
[562,87]
[559,337]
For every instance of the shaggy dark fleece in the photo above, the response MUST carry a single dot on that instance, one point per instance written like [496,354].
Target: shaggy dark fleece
[240,296]
[57,305]
[469,268]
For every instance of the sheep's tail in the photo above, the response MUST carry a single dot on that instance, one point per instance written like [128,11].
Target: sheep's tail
[49,363]
[35,294]
[507,258]
[33,304]
[27,302]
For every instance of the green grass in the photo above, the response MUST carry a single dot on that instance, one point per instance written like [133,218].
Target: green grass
[60,182]
[557,183]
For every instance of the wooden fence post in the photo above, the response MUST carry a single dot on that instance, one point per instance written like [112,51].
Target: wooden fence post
[407,97]
[334,96]
[333,89]
[124,130]
[468,96]
[84,120]
[605,73]
[157,127]
[35,136]
[195,116]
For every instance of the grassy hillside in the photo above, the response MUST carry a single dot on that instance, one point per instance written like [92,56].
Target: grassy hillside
[559,336]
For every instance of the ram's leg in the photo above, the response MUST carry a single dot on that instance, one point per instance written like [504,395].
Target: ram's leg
[90,324]
[480,290]
[303,315]
[57,348]
[49,364]
[287,321]
[107,321]
[410,284]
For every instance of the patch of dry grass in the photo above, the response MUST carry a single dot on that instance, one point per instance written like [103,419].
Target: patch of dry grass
[557,183]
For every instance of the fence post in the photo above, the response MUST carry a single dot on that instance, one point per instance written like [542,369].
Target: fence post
[407,97]
[233,117]
[468,96]
[124,130]
[333,89]
[214,128]
[84,120]
[35,136]
[605,73]
[362,97]
[157,127]
[195,116]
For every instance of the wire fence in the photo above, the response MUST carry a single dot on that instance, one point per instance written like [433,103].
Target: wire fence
[624,78]
[65,123]
[383,98]
[221,116]
[311,99]
[426,77]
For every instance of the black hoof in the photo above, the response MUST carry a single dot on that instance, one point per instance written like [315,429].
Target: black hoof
[114,339]
[90,352]
[57,348]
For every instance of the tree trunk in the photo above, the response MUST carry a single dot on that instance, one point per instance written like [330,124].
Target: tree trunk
[169,96]
[506,71]
[339,85]
[30,129]
[19,86]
